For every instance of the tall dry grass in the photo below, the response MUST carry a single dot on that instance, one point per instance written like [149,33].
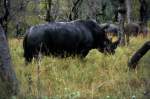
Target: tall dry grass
[96,77]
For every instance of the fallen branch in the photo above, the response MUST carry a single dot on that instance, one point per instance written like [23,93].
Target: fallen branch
[138,55]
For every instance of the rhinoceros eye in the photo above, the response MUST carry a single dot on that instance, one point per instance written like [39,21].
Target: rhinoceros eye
[105,43]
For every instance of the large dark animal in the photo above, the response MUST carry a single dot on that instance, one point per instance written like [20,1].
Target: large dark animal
[134,29]
[131,29]
[66,38]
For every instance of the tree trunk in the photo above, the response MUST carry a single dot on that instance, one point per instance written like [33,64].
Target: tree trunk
[7,73]
[138,55]
[74,11]
[4,18]
[128,7]
[121,19]
[49,17]
[143,12]
[36,7]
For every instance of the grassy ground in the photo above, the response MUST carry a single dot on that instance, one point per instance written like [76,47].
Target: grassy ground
[96,77]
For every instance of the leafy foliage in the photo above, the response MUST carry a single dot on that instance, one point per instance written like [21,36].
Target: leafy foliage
[100,10]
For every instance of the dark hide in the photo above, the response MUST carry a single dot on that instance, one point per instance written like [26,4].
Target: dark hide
[132,29]
[135,29]
[66,38]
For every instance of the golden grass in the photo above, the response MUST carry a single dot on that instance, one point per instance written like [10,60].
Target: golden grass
[96,77]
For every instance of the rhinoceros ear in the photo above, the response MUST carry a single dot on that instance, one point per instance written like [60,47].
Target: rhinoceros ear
[104,26]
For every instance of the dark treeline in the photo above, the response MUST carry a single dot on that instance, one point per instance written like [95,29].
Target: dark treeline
[18,15]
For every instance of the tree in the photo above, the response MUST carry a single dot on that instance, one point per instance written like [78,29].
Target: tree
[128,8]
[74,10]
[4,18]
[7,73]
[121,19]
[36,7]
[48,10]
[115,5]
[143,11]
